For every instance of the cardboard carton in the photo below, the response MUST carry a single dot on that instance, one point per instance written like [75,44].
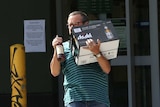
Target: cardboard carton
[104,31]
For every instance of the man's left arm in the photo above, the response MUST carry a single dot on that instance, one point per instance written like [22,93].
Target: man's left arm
[103,62]
[95,49]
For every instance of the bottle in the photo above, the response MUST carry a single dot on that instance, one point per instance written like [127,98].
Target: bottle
[60,52]
[108,33]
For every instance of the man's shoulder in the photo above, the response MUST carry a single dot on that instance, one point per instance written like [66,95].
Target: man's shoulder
[66,44]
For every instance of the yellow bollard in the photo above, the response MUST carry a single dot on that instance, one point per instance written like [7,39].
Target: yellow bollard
[18,76]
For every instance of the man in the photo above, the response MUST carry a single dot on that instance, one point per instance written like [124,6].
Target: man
[85,85]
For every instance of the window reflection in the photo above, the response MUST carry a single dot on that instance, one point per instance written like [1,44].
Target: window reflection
[141,27]
[143,86]
[118,86]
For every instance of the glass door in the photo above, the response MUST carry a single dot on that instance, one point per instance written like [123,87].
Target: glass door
[141,43]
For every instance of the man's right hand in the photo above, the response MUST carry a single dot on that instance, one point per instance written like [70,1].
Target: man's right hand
[56,40]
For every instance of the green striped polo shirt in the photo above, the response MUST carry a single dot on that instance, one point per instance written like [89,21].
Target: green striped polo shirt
[85,82]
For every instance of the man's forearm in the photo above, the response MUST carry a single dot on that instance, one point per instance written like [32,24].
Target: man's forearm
[55,65]
[104,64]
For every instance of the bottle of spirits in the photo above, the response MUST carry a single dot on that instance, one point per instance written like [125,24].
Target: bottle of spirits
[60,52]
[108,33]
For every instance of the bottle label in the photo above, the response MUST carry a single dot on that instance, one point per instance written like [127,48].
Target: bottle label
[59,49]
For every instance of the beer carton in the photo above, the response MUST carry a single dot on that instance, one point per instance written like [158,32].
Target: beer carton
[104,31]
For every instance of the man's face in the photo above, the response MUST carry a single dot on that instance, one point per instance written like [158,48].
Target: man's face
[75,20]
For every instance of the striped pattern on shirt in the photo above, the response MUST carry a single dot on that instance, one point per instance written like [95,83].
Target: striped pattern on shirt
[83,83]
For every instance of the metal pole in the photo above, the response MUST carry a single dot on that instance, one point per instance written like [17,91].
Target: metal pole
[154,44]
[18,76]
[130,54]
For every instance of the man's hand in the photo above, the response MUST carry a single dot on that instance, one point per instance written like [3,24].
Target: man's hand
[93,46]
[56,40]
